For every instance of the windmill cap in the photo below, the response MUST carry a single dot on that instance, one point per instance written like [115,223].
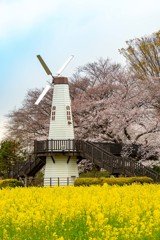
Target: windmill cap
[60,80]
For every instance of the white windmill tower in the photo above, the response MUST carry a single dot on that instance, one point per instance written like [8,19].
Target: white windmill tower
[59,167]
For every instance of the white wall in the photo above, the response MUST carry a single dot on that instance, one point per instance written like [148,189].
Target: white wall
[60,169]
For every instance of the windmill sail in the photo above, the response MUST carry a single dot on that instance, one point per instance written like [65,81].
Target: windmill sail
[44,65]
[64,65]
[46,89]
[50,73]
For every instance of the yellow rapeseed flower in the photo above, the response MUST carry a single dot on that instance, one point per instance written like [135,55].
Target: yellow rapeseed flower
[90,213]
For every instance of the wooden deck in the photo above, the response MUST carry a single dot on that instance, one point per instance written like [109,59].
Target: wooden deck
[82,150]
[51,147]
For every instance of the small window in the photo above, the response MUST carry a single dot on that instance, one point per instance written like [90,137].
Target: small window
[68,115]
[53,113]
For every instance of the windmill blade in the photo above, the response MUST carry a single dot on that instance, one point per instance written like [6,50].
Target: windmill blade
[44,65]
[64,65]
[43,94]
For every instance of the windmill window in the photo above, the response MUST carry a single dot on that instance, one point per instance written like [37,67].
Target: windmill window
[68,115]
[53,113]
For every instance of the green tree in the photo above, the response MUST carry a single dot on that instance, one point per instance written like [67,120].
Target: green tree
[143,55]
[10,153]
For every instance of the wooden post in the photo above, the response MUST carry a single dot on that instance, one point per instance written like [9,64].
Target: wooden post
[123,166]
[67,181]
[58,181]
[92,154]
[25,181]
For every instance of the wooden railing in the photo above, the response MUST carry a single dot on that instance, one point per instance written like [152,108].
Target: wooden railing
[121,165]
[29,167]
[83,149]
[54,181]
[49,146]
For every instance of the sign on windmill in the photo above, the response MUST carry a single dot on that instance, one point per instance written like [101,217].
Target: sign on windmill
[61,166]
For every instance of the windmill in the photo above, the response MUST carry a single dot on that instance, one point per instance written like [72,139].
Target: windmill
[59,166]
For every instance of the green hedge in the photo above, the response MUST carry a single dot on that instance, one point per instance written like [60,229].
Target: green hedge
[10,183]
[111,181]
[96,174]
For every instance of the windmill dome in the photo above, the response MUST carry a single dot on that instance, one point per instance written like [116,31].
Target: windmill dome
[60,80]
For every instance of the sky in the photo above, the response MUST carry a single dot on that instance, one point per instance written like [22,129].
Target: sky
[55,29]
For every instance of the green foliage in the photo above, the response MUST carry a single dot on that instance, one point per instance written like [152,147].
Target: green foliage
[142,55]
[40,175]
[10,183]
[95,174]
[10,153]
[111,181]
[156,169]
[87,181]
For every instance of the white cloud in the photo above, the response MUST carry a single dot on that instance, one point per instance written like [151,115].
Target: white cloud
[20,16]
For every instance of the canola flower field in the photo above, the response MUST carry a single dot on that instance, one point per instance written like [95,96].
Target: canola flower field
[81,213]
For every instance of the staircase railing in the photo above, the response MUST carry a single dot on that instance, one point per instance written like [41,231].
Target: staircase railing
[33,166]
[106,160]
[83,149]
[27,167]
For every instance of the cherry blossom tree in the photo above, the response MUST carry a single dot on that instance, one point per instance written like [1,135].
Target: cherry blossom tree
[123,110]
[30,121]
[109,104]
[118,109]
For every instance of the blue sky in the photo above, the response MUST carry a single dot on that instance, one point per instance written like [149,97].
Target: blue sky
[55,29]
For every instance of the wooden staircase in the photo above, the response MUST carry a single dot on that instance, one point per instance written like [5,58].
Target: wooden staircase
[83,150]
[28,168]
[115,165]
